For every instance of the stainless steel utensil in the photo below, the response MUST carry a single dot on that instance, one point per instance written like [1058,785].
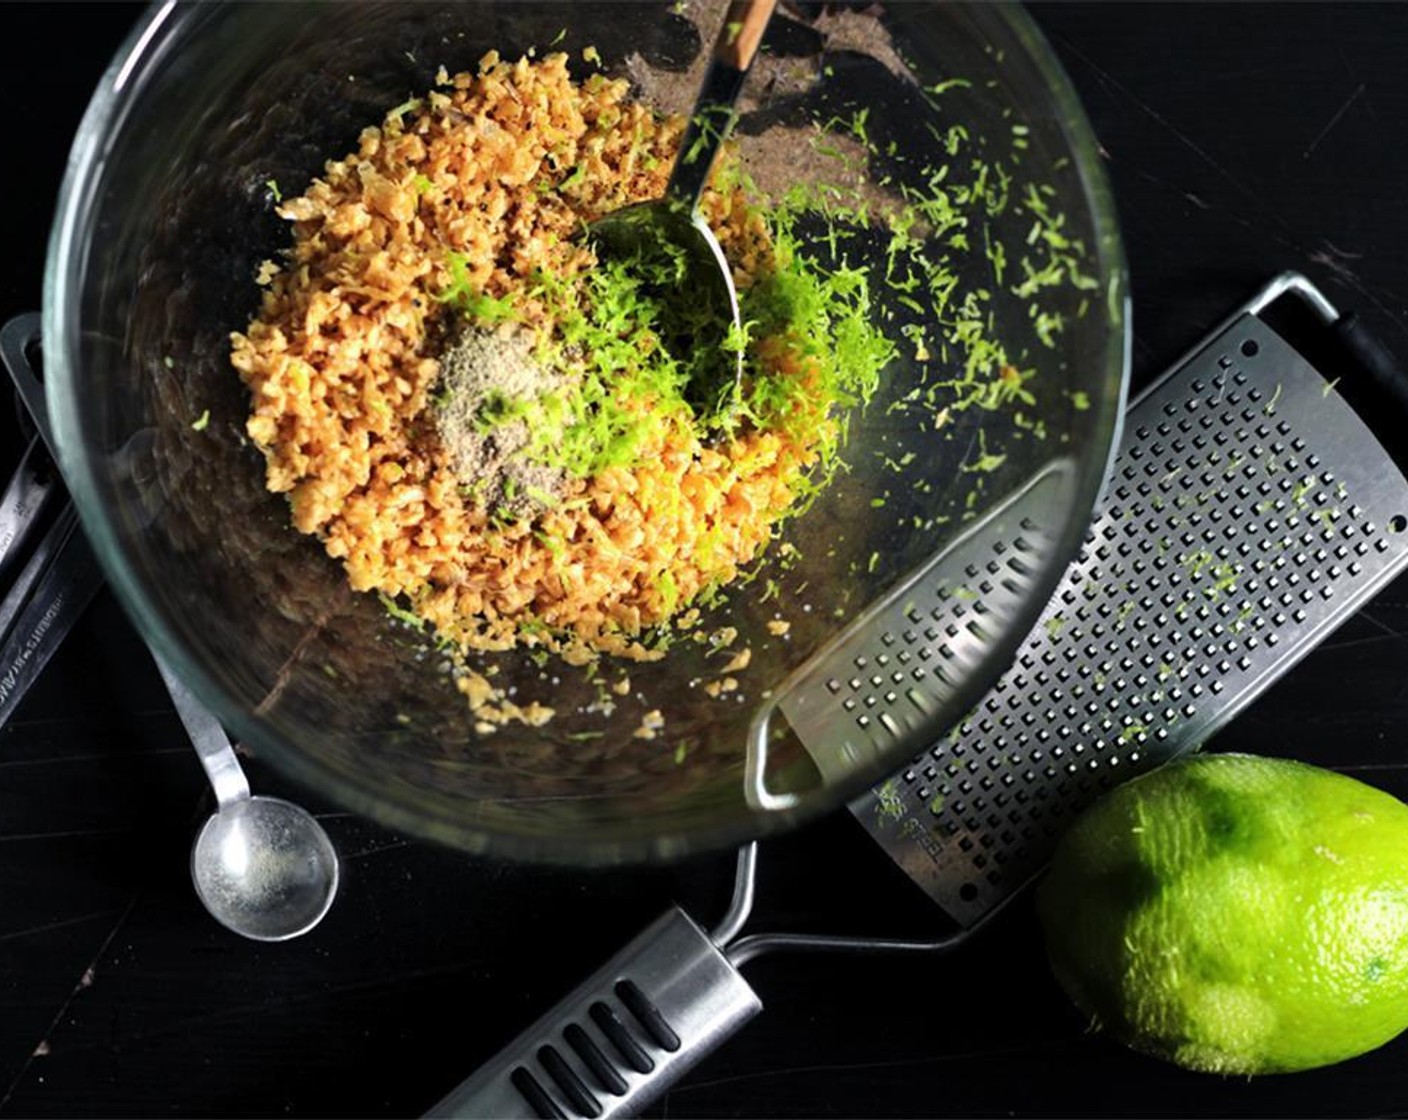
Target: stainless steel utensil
[263,867]
[674,221]
[29,494]
[57,577]
[1250,512]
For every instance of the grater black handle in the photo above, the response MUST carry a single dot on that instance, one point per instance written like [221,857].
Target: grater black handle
[1368,350]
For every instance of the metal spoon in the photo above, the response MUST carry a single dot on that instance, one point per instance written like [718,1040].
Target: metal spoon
[263,867]
[674,220]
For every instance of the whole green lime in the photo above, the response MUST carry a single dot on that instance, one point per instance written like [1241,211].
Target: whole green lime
[1236,914]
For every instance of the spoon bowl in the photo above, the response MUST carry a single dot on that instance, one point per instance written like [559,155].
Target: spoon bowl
[264,868]
[652,230]
[672,226]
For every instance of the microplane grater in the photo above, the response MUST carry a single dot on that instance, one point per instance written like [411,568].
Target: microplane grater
[1249,512]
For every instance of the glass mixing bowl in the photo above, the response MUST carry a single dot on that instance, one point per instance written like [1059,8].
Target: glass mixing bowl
[167,210]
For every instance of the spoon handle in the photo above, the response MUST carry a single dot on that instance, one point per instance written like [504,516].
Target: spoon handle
[212,745]
[713,116]
[743,29]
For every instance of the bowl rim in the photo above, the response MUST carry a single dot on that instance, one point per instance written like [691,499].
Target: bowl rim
[64,267]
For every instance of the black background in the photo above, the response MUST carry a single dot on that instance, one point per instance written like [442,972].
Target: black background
[1241,140]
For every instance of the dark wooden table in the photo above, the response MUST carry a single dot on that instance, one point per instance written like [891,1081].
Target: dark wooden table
[1241,139]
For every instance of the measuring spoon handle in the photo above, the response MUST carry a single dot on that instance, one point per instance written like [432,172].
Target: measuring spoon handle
[213,747]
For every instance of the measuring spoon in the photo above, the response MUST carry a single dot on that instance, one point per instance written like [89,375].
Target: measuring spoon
[262,866]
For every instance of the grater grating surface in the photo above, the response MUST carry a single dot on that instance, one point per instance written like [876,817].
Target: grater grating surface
[904,670]
[1249,512]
